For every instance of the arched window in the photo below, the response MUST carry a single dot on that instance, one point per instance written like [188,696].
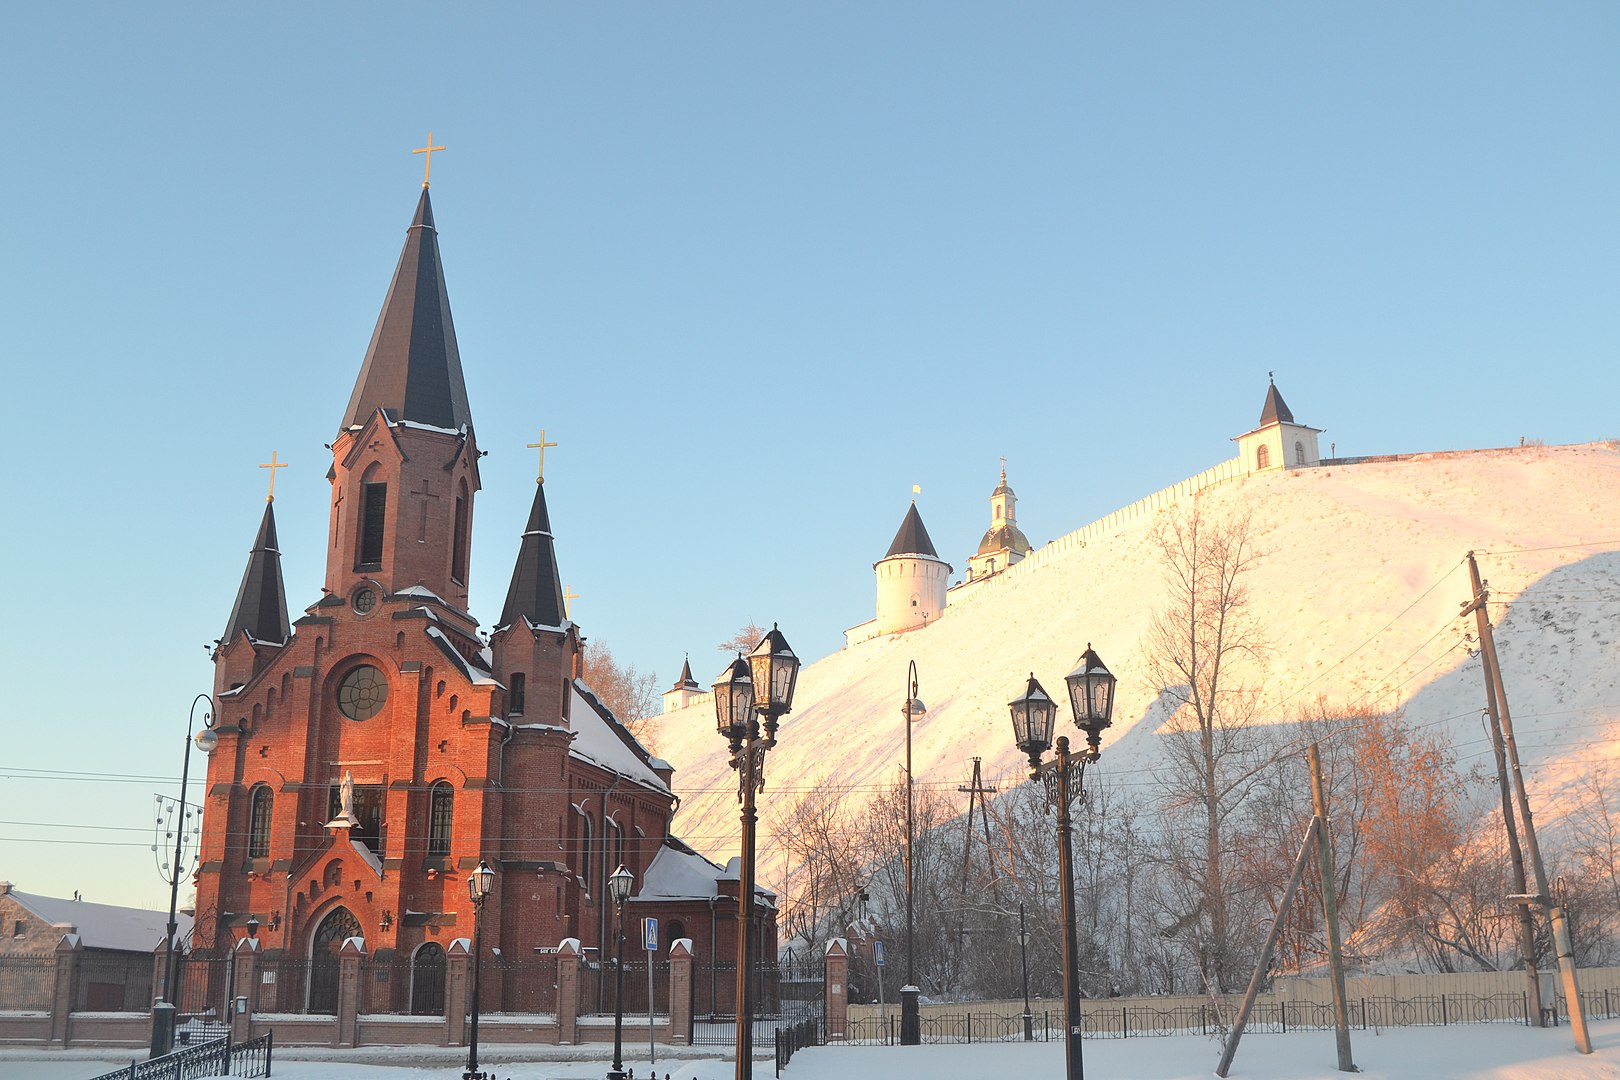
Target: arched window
[458,539]
[1262,457]
[585,848]
[427,980]
[677,930]
[516,693]
[259,822]
[441,812]
[373,519]
[1299,453]
[614,842]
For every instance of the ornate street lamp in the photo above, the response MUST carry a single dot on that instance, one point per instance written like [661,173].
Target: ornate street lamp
[910,1014]
[479,885]
[748,691]
[163,1016]
[1034,715]
[619,883]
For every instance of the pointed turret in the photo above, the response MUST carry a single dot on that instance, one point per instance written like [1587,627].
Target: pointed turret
[685,689]
[261,603]
[412,369]
[1276,409]
[536,591]
[1280,442]
[912,539]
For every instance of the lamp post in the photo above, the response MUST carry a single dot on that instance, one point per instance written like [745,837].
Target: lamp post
[1034,714]
[910,1019]
[619,883]
[748,692]
[1023,963]
[163,1014]
[479,884]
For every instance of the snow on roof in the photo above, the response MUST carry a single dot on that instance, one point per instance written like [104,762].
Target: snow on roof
[476,675]
[106,926]
[677,874]
[417,590]
[596,742]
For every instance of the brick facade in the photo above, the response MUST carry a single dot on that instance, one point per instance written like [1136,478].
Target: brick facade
[459,751]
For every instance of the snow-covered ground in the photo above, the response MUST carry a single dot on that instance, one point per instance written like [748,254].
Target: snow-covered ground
[1358,592]
[1473,1052]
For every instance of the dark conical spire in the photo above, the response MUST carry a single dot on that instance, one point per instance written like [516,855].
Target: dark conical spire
[412,368]
[536,590]
[261,603]
[686,682]
[1276,410]
[912,539]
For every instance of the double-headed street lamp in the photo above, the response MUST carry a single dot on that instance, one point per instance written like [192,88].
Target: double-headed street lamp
[910,1018]
[1034,715]
[619,883]
[479,885]
[163,1018]
[747,692]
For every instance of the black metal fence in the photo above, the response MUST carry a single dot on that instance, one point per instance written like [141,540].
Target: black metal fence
[1145,1020]
[794,1037]
[215,1058]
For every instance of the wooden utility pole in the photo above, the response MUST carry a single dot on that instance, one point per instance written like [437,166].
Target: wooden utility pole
[1527,926]
[976,791]
[1330,909]
[1562,950]
[1316,840]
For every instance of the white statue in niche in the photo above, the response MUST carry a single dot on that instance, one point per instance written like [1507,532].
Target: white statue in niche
[346,818]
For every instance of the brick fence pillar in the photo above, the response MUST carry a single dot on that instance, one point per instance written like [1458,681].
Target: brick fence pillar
[680,991]
[348,1008]
[244,984]
[65,993]
[568,954]
[837,989]
[457,991]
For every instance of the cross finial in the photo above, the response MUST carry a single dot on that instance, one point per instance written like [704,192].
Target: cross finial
[427,169]
[272,465]
[568,594]
[540,477]
[1003,468]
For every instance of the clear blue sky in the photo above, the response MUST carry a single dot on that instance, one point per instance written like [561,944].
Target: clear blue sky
[758,269]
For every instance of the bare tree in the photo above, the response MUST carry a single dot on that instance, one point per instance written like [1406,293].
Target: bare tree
[744,640]
[1204,648]
[628,693]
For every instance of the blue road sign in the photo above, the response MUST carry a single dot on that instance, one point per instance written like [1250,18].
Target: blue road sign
[649,934]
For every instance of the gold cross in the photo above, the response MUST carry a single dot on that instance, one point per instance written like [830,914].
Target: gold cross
[273,465]
[427,150]
[568,594]
[540,477]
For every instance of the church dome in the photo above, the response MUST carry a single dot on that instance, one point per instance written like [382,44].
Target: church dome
[1004,537]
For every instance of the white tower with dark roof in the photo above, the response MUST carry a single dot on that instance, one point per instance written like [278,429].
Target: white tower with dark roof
[1279,442]
[911,579]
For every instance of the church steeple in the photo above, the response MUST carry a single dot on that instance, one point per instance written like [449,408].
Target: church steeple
[536,590]
[412,369]
[405,464]
[260,610]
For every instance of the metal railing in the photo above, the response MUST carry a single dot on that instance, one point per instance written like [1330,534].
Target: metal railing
[794,1037]
[1141,1020]
[216,1058]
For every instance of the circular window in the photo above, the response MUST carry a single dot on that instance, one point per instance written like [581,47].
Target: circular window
[364,600]
[362,693]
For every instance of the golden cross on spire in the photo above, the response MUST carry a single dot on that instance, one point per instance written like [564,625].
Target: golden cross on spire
[273,465]
[540,477]
[568,594]
[427,150]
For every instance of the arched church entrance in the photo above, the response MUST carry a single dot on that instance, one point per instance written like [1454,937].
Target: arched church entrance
[427,981]
[339,925]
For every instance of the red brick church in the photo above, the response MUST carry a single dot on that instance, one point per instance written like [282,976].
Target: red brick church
[373,751]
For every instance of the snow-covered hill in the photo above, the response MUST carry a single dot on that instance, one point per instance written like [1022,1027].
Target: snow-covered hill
[1359,588]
